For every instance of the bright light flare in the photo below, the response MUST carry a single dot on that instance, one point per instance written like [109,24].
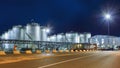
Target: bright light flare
[48,30]
[108,16]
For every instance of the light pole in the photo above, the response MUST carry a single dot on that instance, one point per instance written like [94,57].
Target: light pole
[107,17]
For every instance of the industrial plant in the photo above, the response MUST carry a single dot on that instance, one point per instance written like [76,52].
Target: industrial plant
[36,32]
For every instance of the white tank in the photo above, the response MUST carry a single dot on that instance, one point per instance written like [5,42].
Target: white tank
[87,37]
[53,38]
[17,31]
[72,37]
[82,38]
[6,36]
[11,34]
[60,38]
[44,34]
[22,37]
[3,36]
[32,32]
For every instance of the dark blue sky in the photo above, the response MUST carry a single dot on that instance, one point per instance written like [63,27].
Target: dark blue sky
[62,15]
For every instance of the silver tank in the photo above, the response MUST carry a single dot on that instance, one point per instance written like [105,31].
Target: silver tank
[32,32]
[17,31]
[85,37]
[22,34]
[3,36]
[44,33]
[72,37]
[60,38]
[6,36]
[52,38]
[11,34]
[82,38]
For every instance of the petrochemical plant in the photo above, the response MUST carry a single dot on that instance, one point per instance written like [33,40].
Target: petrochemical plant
[36,32]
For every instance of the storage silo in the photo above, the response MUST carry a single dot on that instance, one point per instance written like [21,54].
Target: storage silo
[87,37]
[32,32]
[17,31]
[10,34]
[60,37]
[68,37]
[72,37]
[3,36]
[22,35]
[6,37]
[44,33]
[53,38]
[82,38]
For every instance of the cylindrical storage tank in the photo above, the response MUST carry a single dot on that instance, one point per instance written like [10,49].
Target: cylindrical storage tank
[87,37]
[22,37]
[72,37]
[68,37]
[6,36]
[53,38]
[60,38]
[44,34]
[82,38]
[76,38]
[11,34]
[17,31]
[32,32]
[3,36]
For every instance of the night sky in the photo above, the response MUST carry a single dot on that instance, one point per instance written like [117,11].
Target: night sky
[62,15]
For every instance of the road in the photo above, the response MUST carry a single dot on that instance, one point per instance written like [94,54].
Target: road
[97,59]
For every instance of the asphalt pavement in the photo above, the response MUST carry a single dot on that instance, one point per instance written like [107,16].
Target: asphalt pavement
[93,59]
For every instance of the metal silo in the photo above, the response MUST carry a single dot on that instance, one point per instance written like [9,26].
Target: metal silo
[10,34]
[72,37]
[60,38]
[3,36]
[82,38]
[6,36]
[17,31]
[53,38]
[68,37]
[32,32]
[87,37]
[44,34]
[22,34]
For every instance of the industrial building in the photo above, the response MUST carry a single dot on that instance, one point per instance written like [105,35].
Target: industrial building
[71,37]
[105,41]
[32,31]
[36,32]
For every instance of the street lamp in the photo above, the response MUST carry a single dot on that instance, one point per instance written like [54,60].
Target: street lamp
[48,30]
[108,17]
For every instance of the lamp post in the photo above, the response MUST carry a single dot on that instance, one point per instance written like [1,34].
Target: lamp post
[107,17]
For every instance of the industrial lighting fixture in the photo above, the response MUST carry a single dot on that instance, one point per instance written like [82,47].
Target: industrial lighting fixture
[48,30]
[107,16]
